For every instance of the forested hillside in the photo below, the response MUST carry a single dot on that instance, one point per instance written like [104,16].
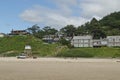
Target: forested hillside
[107,26]
[111,23]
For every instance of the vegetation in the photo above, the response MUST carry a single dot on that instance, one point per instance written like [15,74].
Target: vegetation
[107,26]
[40,33]
[103,52]
[12,46]
[65,42]
[69,30]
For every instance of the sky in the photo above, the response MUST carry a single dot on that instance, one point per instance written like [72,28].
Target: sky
[21,14]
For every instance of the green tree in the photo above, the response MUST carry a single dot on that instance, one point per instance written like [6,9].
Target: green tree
[34,29]
[65,42]
[40,34]
[49,31]
[96,29]
[81,30]
[69,30]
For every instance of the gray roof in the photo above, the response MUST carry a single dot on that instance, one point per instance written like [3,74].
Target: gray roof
[113,36]
[82,37]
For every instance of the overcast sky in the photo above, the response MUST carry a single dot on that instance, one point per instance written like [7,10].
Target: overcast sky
[21,14]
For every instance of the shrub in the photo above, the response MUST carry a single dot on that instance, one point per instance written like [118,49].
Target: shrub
[74,53]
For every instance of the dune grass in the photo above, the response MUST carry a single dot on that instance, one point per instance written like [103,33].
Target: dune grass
[12,46]
[103,52]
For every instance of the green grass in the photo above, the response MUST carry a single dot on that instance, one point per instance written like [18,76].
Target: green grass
[103,52]
[12,46]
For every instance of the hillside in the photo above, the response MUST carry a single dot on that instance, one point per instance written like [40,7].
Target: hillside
[12,46]
[107,26]
[111,23]
[112,20]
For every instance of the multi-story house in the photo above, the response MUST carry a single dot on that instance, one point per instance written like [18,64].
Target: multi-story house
[113,41]
[99,42]
[88,41]
[82,41]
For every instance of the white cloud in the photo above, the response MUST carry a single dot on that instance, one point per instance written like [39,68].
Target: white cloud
[55,18]
[98,8]
[65,12]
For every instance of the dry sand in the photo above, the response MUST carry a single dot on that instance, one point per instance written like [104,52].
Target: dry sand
[59,69]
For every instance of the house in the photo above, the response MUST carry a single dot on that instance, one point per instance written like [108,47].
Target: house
[104,42]
[88,41]
[48,38]
[82,41]
[2,35]
[56,39]
[96,43]
[113,41]
[99,42]
[59,34]
[18,32]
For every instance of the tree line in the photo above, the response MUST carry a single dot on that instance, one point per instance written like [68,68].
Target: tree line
[107,26]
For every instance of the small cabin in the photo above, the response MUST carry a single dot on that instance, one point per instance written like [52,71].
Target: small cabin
[28,50]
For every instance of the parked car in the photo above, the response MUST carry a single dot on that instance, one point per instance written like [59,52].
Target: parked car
[22,56]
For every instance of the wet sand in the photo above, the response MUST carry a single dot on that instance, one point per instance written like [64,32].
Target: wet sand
[59,69]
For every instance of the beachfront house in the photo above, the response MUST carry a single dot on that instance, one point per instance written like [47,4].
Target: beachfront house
[113,41]
[48,38]
[18,32]
[96,43]
[2,35]
[99,42]
[82,41]
[88,41]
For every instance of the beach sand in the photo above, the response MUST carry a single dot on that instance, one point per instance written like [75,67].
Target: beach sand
[59,69]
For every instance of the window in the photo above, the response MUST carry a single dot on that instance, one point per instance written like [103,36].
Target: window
[85,41]
[113,39]
[81,41]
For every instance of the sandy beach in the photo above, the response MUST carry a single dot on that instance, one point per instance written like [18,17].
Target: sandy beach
[59,69]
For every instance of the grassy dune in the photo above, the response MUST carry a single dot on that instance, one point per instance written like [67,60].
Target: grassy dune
[103,52]
[12,46]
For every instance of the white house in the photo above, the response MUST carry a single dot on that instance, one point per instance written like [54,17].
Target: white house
[82,41]
[28,50]
[48,37]
[96,43]
[113,41]
[2,35]
[104,42]
[99,42]
[88,41]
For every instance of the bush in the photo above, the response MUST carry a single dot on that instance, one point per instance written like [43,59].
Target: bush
[116,55]
[65,42]
[74,53]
